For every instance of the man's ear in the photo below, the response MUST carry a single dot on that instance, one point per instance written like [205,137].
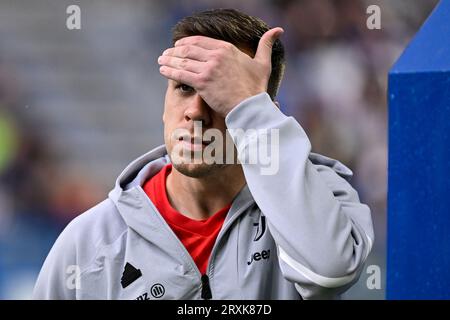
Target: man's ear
[277,104]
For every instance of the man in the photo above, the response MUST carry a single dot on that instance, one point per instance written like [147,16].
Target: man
[178,226]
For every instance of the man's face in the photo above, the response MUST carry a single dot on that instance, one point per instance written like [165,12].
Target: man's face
[182,109]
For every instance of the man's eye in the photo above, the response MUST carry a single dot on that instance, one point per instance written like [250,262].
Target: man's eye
[184,88]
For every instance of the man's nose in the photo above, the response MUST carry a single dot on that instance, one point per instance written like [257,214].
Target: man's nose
[198,110]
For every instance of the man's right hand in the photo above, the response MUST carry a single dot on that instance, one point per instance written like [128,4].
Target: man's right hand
[222,74]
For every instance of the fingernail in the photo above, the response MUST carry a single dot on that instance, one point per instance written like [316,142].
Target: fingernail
[159,59]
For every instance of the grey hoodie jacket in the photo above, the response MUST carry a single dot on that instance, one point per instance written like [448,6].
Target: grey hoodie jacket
[299,233]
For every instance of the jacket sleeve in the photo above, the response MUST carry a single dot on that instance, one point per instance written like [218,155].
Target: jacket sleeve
[322,231]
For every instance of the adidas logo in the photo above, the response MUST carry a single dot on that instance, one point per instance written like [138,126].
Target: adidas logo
[129,275]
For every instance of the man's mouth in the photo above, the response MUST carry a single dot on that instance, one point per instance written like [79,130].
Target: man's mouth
[194,143]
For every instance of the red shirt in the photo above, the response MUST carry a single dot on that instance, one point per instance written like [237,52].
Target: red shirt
[197,236]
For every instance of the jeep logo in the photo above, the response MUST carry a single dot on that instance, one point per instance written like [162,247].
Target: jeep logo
[257,256]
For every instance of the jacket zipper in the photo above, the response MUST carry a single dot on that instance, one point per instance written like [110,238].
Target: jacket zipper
[206,288]
[206,292]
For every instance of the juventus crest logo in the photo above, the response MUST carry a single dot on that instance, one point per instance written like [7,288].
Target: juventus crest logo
[260,228]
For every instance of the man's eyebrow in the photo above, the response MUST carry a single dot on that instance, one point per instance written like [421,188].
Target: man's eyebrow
[178,83]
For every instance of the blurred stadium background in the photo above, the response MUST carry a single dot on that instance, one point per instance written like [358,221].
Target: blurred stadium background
[77,106]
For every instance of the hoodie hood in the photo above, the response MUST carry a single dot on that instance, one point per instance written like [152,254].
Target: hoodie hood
[130,199]
[138,171]
[137,209]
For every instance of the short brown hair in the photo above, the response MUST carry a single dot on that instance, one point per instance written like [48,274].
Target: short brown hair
[235,27]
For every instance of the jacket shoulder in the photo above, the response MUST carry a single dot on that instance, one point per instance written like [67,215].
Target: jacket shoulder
[80,241]
[99,226]
[76,248]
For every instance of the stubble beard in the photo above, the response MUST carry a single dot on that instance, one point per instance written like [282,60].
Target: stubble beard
[198,170]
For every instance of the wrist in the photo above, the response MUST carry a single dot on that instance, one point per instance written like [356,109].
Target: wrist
[237,101]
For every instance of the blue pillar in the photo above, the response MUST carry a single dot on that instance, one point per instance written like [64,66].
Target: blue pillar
[418,262]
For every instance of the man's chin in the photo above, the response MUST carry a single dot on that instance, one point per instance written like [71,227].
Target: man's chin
[197,170]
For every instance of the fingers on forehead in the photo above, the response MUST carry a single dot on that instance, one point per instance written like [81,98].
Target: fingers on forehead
[178,75]
[182,63]
[201,41]
[188,51]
